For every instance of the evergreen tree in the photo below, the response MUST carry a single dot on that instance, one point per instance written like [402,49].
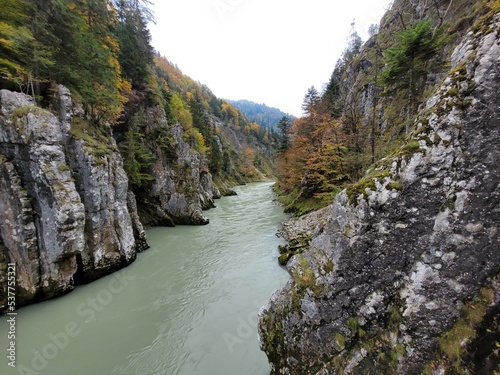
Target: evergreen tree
[284,126]
[407,61]
[226,162]
[216,157]
[311,100]
[136,53]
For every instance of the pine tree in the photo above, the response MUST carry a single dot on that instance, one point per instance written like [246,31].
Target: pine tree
[407,62]
[284,126]
[311,99]
[136,53]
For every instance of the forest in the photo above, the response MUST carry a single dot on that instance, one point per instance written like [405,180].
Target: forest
[105,143]
[101,50]
[367,108]
[263,115]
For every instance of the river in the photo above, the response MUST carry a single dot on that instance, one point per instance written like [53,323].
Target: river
[188,305]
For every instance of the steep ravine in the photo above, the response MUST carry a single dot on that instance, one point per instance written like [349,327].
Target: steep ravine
[67,213]
[403,272]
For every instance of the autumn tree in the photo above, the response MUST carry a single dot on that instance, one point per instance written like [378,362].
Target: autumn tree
[248,162]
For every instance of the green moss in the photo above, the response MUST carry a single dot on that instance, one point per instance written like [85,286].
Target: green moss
[361,332]
[274,333]
[338,363]
[395,316]
[459,73]
[369,345]
[306,278]
[299,205]
[328,267]
[23,111]
[294,246]
[410,149]
[394,186]
[285,257]
[295,300]
[302,206]
[341,340]
[352,324]
[452,344]
[453,91]
[96,141]
[464,104]
[422,130]
[397,352]
[63,168]
[483,24]
[368,182]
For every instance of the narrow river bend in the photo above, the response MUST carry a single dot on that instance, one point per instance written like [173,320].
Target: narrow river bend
[186,306]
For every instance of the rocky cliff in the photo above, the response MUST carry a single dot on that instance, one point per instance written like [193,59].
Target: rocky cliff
[401,278]
[67,211]
[181,186]
[64,209]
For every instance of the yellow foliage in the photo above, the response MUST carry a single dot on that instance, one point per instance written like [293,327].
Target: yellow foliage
[165,85]
[181,112]
[230,112]
[255,127]
[199,140]
[248,161]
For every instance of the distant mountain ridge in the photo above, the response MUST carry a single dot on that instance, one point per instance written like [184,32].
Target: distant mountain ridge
[262,114]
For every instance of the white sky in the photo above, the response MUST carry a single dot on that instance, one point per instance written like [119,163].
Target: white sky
[266,51]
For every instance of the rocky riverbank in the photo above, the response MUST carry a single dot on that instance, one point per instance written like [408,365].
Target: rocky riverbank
[403,275]
[298,232]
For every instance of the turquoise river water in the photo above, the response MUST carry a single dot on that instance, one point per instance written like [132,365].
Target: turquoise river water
[188,305]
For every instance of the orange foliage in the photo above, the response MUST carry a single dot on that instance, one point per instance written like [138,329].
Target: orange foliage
[248,162]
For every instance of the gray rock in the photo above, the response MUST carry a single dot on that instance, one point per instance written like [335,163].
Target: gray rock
[182,188]
[64,208]
[402,262]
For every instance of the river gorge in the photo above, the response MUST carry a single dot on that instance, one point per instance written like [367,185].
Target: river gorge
[188,305]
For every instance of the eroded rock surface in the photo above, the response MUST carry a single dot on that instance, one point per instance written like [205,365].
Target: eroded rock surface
[404,250]
[63,206]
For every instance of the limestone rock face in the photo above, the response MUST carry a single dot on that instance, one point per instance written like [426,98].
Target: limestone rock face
[63,208]
[182,186]
[404,250]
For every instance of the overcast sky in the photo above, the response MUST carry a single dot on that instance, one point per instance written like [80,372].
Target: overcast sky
[267,51]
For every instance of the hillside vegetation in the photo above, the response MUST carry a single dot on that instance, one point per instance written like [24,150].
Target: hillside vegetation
[101,51]
[400,274]
[266,116]
[370,103]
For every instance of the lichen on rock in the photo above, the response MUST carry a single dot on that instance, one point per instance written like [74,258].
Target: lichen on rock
[402,252]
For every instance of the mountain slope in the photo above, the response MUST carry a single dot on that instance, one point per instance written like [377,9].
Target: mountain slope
[95,148]
[263,115]
[402,276]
